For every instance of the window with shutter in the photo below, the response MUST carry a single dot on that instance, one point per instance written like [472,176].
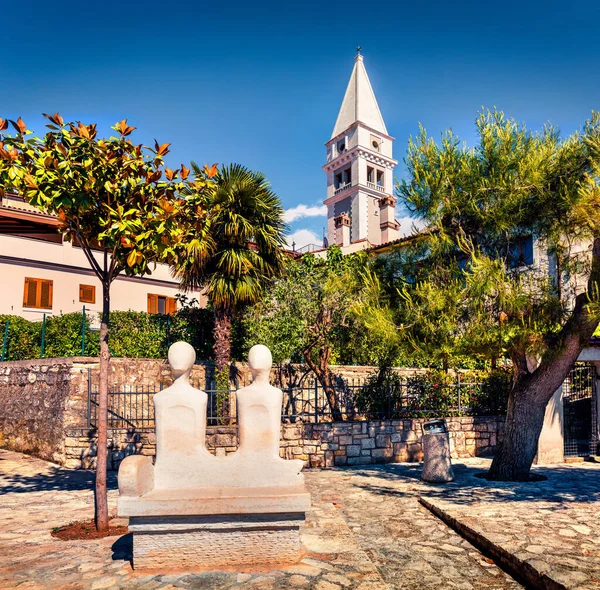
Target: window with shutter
[87,294]
[45,295]
[37,293]
[161,304]
[30,293]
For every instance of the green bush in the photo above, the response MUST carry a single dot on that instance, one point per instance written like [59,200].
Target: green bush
[137,334]
[24,338]
[63,336]
[194,325]
[132,334]
[434,393]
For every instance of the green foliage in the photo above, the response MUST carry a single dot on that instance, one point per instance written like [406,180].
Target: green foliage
[24,338]
[245,220]
[195,326]
[381,393]
[311,310]
[63,336]
[138,334]
[240,253]
[143,335]
[133,334]
[108,193]
[434,393]
[465,285]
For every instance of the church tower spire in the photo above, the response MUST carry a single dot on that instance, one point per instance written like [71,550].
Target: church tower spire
[359,102]
[360,201]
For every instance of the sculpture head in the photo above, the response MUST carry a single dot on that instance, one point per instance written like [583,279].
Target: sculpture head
[182,357]
[260,362]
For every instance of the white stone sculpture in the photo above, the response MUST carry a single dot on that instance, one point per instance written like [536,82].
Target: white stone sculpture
[180,417]
[257,462]
[249,504]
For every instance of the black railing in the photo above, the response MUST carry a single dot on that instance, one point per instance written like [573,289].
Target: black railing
[580,411]
[133,406]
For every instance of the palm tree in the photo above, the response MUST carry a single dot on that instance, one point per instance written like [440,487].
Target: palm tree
[244,252]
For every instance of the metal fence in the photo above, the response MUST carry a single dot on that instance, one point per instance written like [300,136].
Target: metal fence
[580,411]
[408,397]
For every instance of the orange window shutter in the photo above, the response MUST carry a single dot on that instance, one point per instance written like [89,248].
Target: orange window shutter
[152,303]
[46,295]
[30,293]
[87,294]
[171,305]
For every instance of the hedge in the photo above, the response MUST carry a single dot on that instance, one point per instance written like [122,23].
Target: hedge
[132,334]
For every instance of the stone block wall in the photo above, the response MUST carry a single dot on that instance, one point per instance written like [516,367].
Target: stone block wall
[38,402]
[384,441]
[43,411]
[319,445]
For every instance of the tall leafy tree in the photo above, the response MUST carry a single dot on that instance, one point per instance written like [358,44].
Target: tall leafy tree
[431,311]
[117,201]
[486,208]
[309,311]
[246,227]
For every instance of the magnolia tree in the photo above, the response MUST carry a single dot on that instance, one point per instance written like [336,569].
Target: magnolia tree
[477,278]
[117,201]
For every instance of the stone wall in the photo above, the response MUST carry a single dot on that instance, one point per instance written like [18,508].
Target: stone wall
[318,445]
[38,402]
[43,411]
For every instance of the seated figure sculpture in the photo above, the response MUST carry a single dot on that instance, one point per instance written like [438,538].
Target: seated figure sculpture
[178,505]
[180,416]
[257,462]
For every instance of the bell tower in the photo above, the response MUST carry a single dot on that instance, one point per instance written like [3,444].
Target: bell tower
[360,202]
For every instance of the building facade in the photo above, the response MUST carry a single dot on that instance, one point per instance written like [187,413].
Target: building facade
[40,273]
[360,182]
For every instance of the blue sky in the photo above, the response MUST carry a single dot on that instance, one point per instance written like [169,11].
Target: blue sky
[261,83]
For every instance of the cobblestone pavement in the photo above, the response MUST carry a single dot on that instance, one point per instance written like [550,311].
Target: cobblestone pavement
[366,531]
[410,547]
[552,525]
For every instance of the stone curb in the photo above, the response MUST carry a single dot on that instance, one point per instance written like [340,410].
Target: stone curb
[520,570]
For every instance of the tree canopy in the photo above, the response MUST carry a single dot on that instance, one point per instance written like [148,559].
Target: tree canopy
[116,200]
[510,264]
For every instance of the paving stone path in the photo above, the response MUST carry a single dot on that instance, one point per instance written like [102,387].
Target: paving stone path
[410,547]
[553,525]
[366,531]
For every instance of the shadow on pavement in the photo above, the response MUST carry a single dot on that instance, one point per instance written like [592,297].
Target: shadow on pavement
[53,478]
[122,548]
[565,483]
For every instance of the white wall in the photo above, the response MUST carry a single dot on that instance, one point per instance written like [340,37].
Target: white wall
[68,267]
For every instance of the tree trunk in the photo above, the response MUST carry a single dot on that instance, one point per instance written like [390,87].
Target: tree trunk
[524,421]
[101,502]
[533,390]
[222,338]
[326,378]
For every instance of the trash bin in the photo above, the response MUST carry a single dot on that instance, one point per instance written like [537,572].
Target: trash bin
[437,466]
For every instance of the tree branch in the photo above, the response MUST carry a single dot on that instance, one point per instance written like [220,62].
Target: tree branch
[574,336]
[88,254]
